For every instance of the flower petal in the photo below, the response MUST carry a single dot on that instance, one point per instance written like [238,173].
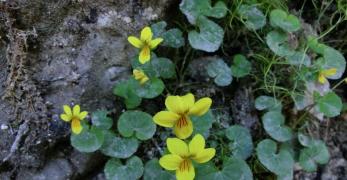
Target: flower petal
[177,146]
[329,72]
[321,78]
[189,100]
[170,162]
[65,117]
[187,173]
[136,42]
[201,107]
[145,55]
[175,104]
[197,144]
[76,126]
[166,118]
[146,34]
[184,131]
[76,110]
[154,43]
[67,110]
[83,115]
[204,155]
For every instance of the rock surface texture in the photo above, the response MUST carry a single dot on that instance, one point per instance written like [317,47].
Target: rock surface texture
[54,53]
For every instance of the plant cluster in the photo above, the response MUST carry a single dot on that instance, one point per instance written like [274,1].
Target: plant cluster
[291,72]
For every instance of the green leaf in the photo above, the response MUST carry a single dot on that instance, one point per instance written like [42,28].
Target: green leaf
[163,67]
[315,153]
[119,147]
[299,58]
[153,171]
[289,23]
[203,124]
[330,104]
[89,140]
[209,37]
[334,59]
[241,66]
[172,37]
[100,119]
[279,163]
[273,123]
[115,170]
[315,45]
[241,143]
[277,42]
[151,89]
[233,169]
[124,90]
[220,71]
[136,123]
[193,9]
[267,103]
[253,17]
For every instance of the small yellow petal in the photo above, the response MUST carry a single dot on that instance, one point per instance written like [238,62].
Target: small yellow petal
[170,162]
[345,80]
[175,104]
[186,171]
[197,144]
[204,155]
[329,72]
[136,42]
[146,34]
[83,115]
[144,80]
[138,74]
[183,129]
[322,79]
[201,107]
[177,146]
[65,117]
[154,43]
[145,55]
[189,100]
[67,110]
[76,110]
[166,118]
[76,126]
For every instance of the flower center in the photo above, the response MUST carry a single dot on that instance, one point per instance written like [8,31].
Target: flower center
[185,165]
[75,118]
[182,121]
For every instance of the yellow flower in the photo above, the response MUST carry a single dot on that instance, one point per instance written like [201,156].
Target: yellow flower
[179,109]
[140,76]
[145,43]
[76,116]
[182,155]
[322,76]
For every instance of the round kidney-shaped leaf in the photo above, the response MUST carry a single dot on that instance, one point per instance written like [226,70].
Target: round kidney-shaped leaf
[299,58]
[315,153]
[163,67]
[273,122]
[220,71]
[89,140]
[289,23]
[277,42]
[267,103]
[203,124]
[241,66]
[330,104]
[115,170]
[119,147]
[334,59]
[279,163]
[241,143]
[172,37]
[153,171]
[100,119]
[124,90]
[136,123]
[253,17]
[151,89]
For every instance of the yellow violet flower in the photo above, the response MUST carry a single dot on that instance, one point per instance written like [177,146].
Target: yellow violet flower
[179,108]
[145,43]
[322,76]
[75,116]
[140,76]
[182,155]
